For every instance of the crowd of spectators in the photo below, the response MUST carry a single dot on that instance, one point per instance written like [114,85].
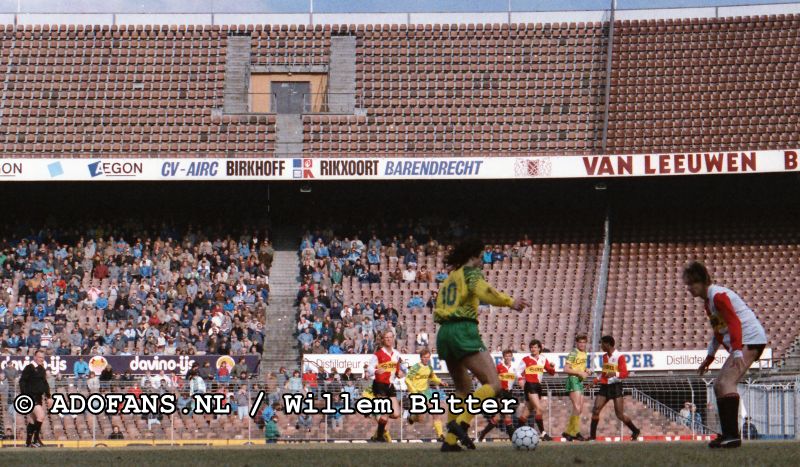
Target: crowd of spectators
[99,292]
[329,322]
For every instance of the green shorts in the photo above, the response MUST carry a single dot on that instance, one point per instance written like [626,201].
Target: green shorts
[458,339]
[429,394]
[574,384]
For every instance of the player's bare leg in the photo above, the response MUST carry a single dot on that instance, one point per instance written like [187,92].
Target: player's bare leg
[728,398]
[462,383]
[619,410]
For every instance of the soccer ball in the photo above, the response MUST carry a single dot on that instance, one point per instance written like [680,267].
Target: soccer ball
[525,438]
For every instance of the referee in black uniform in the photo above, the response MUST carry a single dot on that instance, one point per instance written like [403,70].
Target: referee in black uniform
[33,383]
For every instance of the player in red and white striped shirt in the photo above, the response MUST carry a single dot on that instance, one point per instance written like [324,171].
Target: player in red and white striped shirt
[385,366]
[530,371]
[614,371]
[737,328]
[507,375]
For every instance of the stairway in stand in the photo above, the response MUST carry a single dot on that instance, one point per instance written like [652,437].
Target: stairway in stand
[280,344]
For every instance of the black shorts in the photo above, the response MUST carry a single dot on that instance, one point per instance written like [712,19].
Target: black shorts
[759,348]
[533,388]
[610,391]
[37,399]
[383,389]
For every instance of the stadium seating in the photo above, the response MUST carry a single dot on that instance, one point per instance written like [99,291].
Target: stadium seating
[705,83]
[79,91]
[647,305]
[470,89]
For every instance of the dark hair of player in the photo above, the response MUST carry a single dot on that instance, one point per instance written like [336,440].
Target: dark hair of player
[508,351]
[696,272]
[424,351]
[608,340]
[536,343]
[463,252]
[581,337]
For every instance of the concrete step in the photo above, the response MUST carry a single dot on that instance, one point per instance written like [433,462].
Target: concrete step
[237,75]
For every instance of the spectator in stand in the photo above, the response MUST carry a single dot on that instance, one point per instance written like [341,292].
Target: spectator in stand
[422,339]
[242,402]
[396,275]
[373,257]
[80,368]
[416,303]
[432,300]
[223,373]
[498,256]
[115,433]
[410,274]
[424,275]
[686,413]
[334,348]
[294,384]
[488,256]
[197,384]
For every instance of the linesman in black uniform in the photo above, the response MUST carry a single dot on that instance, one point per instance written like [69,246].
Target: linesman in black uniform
[33,383]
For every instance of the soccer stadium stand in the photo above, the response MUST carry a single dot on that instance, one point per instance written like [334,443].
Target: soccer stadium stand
[118,295]
[75,91]
[147,91]
[419,89]
[647,306]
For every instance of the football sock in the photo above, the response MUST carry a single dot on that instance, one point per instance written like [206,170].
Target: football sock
[574,425]
[595,421]
[29,433]
[728,408]
[36,432]
[437,427]
[509,427]
[489,427]
[482,393]
[629,423]
[450,438]
[381,427]
[540,423]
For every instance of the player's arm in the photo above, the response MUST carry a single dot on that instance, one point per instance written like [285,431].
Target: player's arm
[519,371]
[488,294]
[372,366]
[435,380]
[622,368]
[549,367]
[725,308]
[24,379]
[712,351]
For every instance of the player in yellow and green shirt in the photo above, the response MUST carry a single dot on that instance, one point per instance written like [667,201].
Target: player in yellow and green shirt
[576,370]
[458,340]
[418,380]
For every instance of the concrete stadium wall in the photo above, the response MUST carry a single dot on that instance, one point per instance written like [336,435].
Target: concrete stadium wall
[395,18]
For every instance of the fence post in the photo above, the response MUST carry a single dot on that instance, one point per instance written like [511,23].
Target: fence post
[691,422]
[549,410]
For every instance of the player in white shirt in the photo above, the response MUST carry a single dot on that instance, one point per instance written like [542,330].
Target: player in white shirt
[736,328]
